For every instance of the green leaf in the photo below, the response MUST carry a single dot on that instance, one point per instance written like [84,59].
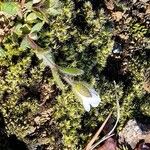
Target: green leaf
[31,18]
[24,44]
[54,12]
[26,29]
[42,15]
[33,36]
[37,27]
[28,42]
[10,8]
[28,5]
[57,77]
[80,87]
[14,38]
[71,71]
[55,7]
[34,46]
[47,58]
[2,52]
[17,29]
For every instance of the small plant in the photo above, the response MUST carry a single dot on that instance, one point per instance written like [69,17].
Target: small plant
[88,96]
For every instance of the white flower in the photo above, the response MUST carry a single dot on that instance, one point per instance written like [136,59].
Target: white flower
[36,1]
[87,94]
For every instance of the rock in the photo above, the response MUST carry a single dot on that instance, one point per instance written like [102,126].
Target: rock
[134,132]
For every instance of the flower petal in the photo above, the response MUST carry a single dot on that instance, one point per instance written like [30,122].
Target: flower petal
[86,105]
[36,1]
[89,96]
[95,100]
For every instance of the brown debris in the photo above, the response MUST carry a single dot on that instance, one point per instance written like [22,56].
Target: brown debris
[146,84]
[148,9]
[5,26]
[109,4]
[117,15]
[89,145]
[143,146]
[109,144]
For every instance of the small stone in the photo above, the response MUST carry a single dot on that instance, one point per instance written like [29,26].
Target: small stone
[133,132]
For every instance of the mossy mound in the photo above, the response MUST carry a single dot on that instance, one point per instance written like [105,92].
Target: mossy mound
[42,115]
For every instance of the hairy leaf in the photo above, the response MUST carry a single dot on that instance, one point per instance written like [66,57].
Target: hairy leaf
[37,27]
[33,36]
[72,71]
[24,44]
[55,7]
[57,77]
[31,17]
[81,88]
[17,29]
[10,8]
[2,53]
[34,46]
[42,15]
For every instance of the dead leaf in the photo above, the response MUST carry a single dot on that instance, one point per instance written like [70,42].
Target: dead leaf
[109,144]
[36,1]
[109,4]
[146,84]
[143,146]
[144,1]
[117,15]
[148,9]
[89,145]
[124,37]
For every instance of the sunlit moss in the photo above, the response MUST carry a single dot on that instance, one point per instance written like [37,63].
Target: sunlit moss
[86,48]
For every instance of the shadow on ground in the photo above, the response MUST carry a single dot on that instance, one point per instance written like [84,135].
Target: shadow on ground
[10,142]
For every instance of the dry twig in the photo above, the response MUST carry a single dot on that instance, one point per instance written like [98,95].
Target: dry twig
[90,145]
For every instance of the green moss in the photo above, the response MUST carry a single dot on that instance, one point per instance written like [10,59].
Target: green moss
[84,46]
[145,108]
[68,113]
[138,31]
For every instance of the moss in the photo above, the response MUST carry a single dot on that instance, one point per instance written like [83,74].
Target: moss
[62,117]
[138,31]
[11,93]
[68,113]
[145,108]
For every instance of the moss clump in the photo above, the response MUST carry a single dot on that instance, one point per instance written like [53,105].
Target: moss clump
[68,112]
[78,37]
[13,108]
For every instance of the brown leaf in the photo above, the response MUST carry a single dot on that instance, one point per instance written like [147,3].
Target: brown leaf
[109,4]
[89,145]
[117,15]
[109,144]
[148,9]
[146,84]
[143,146]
